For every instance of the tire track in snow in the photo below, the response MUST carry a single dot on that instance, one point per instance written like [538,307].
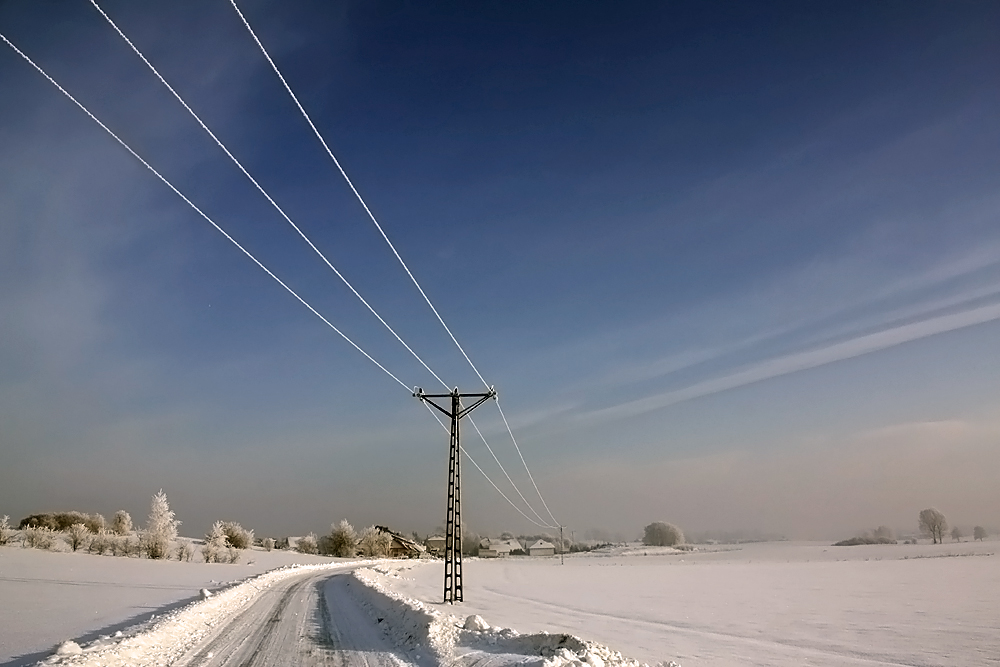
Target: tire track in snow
[294,623]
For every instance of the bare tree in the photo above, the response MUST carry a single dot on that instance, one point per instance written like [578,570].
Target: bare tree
[956,534]
[979,533]
[933,523]
[660,534]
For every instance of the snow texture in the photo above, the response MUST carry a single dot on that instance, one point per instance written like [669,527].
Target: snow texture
[775,604]
[164,640]
[418,628]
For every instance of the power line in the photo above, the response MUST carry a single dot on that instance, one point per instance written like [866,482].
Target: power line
[302,234]
[246,252]
[473,461]
[198,210]
[530,476]
[355,191]
[504,470]
[393,248]
[261,189]
[357,194]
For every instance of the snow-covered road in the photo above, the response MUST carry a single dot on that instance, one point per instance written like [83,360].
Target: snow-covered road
[305,620]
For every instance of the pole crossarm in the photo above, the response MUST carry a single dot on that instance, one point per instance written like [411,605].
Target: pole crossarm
[418,393]
[453,514]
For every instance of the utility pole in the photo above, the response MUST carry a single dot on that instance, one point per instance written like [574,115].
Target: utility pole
[562,546]
[453,516]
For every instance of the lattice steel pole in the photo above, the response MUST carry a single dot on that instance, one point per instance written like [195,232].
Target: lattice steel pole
[453,515]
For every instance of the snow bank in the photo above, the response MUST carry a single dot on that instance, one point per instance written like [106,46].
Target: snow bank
[418,628]
[162,640]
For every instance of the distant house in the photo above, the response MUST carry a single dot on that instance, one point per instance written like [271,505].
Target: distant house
[402,547]
[435,545]
[542,548]
[491,548]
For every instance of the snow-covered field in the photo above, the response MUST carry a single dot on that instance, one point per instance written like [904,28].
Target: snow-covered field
[777,604]
[760,604]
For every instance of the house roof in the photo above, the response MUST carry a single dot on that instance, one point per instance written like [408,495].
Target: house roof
[500,545]
[542,544]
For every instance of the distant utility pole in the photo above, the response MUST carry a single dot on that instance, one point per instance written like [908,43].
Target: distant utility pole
[453,530]
[562,546]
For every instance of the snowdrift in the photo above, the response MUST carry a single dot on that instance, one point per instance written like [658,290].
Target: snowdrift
[452,640]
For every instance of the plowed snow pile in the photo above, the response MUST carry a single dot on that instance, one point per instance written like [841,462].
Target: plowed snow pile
[450,639]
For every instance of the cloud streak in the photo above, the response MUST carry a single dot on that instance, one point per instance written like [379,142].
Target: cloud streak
[801,361]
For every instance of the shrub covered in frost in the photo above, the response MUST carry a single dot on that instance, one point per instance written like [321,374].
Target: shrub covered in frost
[660,534]
[342,541]
[267,543]
[307,544]
[161,528]
[185,551]
[216,549]
[100,543]
[77,536]
[5,530]
[39,537]
[122,523]
[239,537]
[62,521]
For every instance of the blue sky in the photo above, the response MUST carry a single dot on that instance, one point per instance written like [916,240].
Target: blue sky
[731,266]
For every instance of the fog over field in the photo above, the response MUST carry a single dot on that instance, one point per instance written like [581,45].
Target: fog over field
[731,266]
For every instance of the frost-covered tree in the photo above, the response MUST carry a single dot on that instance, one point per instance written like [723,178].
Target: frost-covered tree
[343,539]
[96,522]
[934,524]
[373,543]
[268,543]
[660,534]
[216,544]
[239,537]
[307,544]
[77,536]
[5,530]
[122,523]
[956,534]
[161,527]
[979,533]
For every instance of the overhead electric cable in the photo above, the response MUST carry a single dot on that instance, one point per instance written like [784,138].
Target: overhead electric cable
[530,476]
[198,210]
[357,194]
[504,470]
[262,191]
[473,461]
[355,191]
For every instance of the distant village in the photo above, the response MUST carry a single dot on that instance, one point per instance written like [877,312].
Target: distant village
[398,545]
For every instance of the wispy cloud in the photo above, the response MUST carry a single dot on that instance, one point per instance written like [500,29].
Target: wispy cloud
[800,361]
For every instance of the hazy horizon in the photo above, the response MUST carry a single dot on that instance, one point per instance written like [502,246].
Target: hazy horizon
[731,266]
